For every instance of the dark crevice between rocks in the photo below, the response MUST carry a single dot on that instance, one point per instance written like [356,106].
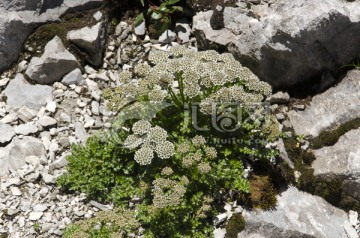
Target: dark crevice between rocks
[329,138]
[45,33]
[329,187]
[204,5]
[50,4]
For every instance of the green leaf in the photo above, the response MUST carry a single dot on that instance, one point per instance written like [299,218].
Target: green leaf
[176,9]
[139,19]
[142,3]
[170,2]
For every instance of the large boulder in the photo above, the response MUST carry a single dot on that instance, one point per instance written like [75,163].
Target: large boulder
[287,42]
[91,40]
[330,109]
[13,156]
[297,214]
[341,161]
[18,18]
[56,62]
[20,93]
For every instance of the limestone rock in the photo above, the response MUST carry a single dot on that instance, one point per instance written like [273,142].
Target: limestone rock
[289,42]
[46,70]
[167,37]
[297,214]
[6,133]
[91,40]
[19,18]
[13,155]
[183,30]
[26,129]
[342,161]
[74,77]
[20,93]
[332,108]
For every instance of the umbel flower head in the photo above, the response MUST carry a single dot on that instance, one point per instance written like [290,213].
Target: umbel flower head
[205,77]
[149,140]
[167,192]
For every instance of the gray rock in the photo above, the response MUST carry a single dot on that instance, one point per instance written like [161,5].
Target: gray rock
[51,106]
[280,146]
[15,191]
[7,133]
[167,37]
[279,98]
[299,107]
[206,35]
[34,216]
[26,114]
[140,30]
[13,155]
[48,178]
[74,77]
[297,214]
[101,206]
[183,29]
[20,93]
[19,18]
[46,121]
[291,41]
[4,82]
[39,208]
[26,129]
[343,161]
[91,40]
[33,160]
[60,163]
[46,70]
[80,132]
[332,108]
[219,233]
[98,15]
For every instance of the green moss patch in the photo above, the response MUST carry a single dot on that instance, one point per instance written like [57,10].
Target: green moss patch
[43,34]
[328,188]
[235,226]
[329,138]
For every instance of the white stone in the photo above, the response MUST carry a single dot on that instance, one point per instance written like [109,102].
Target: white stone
[34,216]
[15,191]
[46,70]
[39,208]
[46,121]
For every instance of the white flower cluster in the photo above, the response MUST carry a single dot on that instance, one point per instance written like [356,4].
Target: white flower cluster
[149,139]
[167,192]
[207,76]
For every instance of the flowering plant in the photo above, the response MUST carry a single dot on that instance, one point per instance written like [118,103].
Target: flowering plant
[177,160]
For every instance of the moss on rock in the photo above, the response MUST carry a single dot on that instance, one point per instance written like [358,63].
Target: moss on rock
[235,225]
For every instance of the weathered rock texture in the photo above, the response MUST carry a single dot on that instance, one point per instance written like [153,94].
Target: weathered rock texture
[332,108]
[287,42]
[13,156]
[20,93]
[91,40]
[297,214]
[46,70]
[19,18]
[341,161]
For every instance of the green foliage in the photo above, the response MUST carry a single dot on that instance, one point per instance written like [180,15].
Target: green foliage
[159,17]
[165,147]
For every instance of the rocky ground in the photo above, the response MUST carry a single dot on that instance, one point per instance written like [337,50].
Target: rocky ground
[43,112]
